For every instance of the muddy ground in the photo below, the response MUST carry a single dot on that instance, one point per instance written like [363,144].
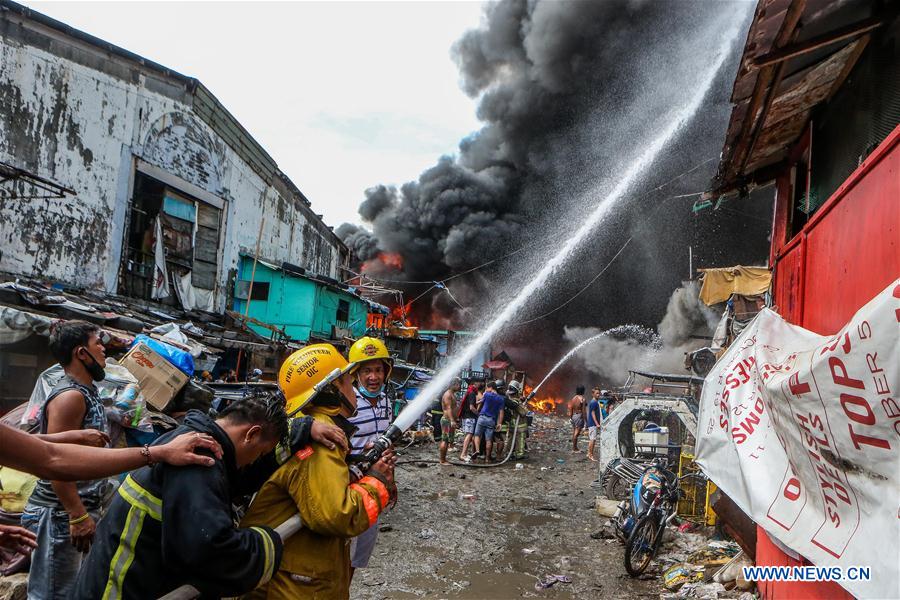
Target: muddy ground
[521,525]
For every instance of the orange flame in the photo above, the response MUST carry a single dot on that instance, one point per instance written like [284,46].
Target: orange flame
[400,314]
[547,405]
[390,261]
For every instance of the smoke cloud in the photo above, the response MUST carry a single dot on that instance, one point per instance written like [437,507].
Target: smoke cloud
[362,243]
[611,357]
[559,85]
[567,92]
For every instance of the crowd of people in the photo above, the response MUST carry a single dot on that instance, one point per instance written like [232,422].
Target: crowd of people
[181,511]
[200,506]
[483,412]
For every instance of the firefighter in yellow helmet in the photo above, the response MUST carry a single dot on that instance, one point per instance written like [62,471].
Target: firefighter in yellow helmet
[373,364]
[315,483]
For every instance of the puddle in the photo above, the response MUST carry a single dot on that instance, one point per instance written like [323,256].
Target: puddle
[525,520]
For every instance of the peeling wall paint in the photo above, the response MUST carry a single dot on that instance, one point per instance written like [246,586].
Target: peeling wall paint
[81,121]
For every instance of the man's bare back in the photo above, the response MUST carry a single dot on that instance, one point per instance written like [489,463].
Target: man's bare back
[576,405]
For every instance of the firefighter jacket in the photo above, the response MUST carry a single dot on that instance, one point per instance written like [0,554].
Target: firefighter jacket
[316,483]
[169,526]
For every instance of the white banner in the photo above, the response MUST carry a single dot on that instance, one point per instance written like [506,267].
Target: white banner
[802,431]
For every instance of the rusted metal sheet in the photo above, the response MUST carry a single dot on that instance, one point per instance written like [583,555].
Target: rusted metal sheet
[750,145]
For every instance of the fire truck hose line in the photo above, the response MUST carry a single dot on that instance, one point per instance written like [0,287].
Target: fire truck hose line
[188,592]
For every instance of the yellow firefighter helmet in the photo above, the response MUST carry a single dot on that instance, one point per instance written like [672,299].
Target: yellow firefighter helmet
[368,348]
[308,371]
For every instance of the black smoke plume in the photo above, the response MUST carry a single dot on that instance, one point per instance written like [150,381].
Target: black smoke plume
[567,92]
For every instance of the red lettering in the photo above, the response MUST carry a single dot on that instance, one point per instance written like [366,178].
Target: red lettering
[835,364]
[796,387]
[872,361]
[881,385]
[738,436]
[732,382]
[749,422]
[834,517]
[834,345]
[890,408]
[864,330]
[817,422]
[842,492]
[867,440]
[866,417]
[792,489]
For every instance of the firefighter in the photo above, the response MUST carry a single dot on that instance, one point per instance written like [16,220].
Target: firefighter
[316,484]
[373,364]
[518,409]
[169,526]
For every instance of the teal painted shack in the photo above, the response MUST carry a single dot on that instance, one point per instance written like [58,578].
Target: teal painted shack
[305,305]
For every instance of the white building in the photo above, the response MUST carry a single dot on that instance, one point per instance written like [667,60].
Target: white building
[119,140]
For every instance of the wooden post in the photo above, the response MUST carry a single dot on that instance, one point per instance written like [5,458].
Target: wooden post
[237,368]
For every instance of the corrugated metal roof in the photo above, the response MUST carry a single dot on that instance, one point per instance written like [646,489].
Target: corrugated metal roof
[774,95]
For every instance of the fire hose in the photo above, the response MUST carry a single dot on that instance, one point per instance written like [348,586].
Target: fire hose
[285,531]
[512,444]
[294,524]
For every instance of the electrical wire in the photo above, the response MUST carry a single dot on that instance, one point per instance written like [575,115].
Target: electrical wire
[604,269]
[441,284]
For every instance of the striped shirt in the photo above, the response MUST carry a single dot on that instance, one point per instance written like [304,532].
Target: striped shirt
[371,421]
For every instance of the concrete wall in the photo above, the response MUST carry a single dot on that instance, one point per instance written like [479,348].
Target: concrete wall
[81,116]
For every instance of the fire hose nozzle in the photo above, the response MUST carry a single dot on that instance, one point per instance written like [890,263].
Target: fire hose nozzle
[530,396]
[383,442]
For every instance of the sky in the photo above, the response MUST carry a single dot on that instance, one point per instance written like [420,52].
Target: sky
[343,95]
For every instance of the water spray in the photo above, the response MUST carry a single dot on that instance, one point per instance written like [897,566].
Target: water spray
[602,207]
[621,330]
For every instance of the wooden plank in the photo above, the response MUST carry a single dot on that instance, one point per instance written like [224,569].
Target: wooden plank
[819,41]
[206,245]
[208,216]
[761,94]
[203,275]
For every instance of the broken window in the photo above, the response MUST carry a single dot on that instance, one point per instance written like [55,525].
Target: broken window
[343,313]
[260,290]
[190,236]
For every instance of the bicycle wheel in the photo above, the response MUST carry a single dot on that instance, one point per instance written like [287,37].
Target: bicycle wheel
[641,545]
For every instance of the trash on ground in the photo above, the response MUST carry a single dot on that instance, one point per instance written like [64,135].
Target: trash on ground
[551,580]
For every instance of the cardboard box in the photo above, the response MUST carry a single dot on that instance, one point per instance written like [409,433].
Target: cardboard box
[159,379]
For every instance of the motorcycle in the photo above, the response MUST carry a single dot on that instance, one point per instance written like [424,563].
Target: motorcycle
[642,516]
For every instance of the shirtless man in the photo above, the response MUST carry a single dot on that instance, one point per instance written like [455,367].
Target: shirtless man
[448,420]
[577,414]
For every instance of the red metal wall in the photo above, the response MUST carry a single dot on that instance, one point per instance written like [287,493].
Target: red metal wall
[847,253]
[850,249]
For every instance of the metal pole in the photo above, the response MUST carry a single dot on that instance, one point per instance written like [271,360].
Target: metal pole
[189,592]
[690,263]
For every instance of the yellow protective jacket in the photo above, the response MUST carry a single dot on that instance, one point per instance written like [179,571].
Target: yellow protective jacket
[316,483]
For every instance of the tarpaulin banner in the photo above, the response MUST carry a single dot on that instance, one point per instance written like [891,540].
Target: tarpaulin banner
[802,431]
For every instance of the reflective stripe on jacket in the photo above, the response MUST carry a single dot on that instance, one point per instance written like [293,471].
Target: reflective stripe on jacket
[169,526]
[316,483]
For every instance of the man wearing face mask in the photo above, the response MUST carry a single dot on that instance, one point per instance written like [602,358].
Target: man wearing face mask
[315,482]
[373,365]
[63,514]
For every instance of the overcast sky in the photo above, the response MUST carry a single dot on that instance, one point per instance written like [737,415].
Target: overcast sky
[343,95]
